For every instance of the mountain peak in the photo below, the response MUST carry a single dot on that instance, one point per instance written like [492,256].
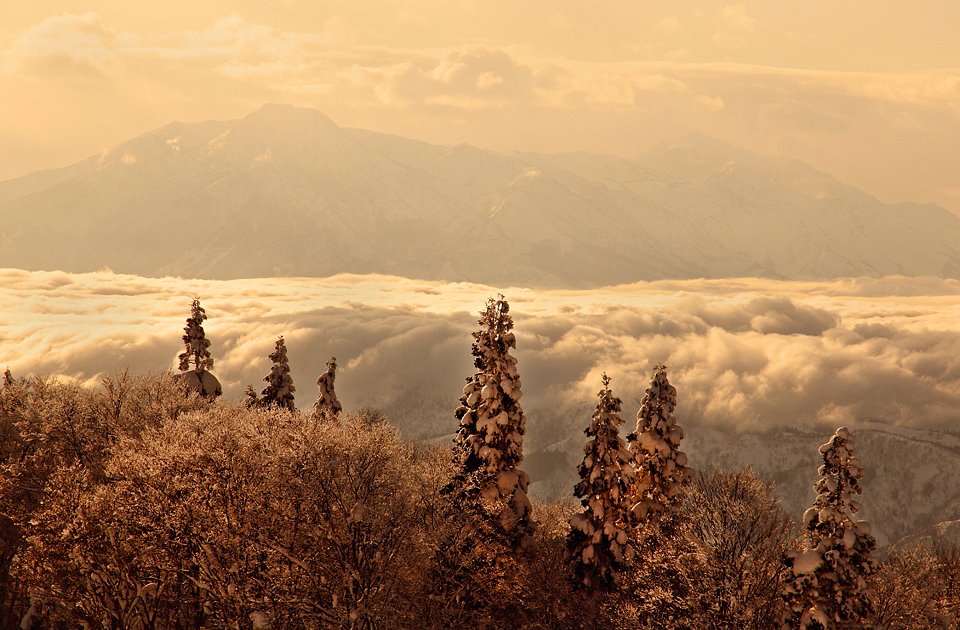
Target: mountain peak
[288,116]
[702,145]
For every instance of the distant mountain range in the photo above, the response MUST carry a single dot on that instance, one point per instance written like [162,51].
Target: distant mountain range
[286,192]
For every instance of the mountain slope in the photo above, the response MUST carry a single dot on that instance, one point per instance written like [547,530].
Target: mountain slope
[285,191]
[912,478]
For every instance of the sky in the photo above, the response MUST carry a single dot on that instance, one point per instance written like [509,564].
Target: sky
[867,91]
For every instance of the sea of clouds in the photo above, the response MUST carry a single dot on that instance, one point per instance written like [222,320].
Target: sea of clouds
[744,354]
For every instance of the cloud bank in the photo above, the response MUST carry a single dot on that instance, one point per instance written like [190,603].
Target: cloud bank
[745,355]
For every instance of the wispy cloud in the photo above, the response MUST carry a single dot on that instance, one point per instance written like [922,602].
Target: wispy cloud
[249,51]
[66,47]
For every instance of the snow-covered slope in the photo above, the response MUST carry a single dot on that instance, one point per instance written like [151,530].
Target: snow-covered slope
[285,191]
[911,480]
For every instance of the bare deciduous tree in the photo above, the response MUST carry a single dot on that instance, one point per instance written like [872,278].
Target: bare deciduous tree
[740,532]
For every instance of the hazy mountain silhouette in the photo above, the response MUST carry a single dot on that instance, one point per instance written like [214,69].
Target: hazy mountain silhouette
[285,191]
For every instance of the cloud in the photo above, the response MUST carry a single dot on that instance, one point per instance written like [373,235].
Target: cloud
[66,46]
[735,17]
[332,61]
[744,354]
[710,103]
[734,24]
[488,79]
[467,77]
[668,25]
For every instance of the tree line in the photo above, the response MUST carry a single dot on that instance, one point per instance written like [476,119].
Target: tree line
[150,504]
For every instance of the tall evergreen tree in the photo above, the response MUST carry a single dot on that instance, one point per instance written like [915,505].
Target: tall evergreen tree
[8,378]
[327,406]
[659,587]
[661,467]
[196,345]
[279,389]
[598,545]
[196,352]
[489,484]
[827,583]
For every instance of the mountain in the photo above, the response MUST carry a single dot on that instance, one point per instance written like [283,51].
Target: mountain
[284,191]
[911,481]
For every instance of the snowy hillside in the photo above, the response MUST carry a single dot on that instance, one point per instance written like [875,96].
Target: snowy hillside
[285,191]
[911,483]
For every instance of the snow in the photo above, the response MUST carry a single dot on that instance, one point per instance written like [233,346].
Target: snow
[806,561]
[507,482]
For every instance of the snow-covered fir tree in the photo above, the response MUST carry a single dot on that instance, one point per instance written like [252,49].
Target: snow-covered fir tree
[279,389]
[196,352]
[661,467]
[196,345]
[250,398]
[327,406]
[599,545]
[489,484]
[827,579]
[11,394]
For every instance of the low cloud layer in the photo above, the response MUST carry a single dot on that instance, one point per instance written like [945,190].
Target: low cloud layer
[744,354]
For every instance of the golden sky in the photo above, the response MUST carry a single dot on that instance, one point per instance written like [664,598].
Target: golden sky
[867,91]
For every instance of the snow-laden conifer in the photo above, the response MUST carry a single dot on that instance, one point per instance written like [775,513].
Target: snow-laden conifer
[660,465]
[196,352]
[827,579]
[196,345]
[250,398]
[11,393]
[488,447]
[599,545]
[327,406]
[279,389]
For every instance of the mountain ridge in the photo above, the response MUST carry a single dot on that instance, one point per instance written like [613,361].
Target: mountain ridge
[285,191]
